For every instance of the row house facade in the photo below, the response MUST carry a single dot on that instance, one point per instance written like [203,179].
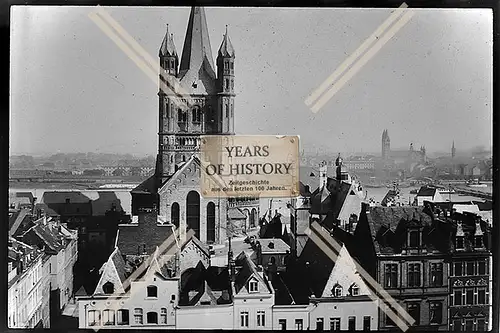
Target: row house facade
[28,286]
[60,244]
[413,254]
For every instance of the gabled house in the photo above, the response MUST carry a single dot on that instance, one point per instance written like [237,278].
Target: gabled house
[253,295]
[426,193]
[145,297]
[337,297]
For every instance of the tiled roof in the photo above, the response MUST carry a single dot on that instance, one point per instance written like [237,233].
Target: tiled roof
[234,213]
[16,220]
[146,187]
[151,234]
[49,237]
[338,191]
[119,263]
[247,269]
[310,273]
[426,191]
[279,246]
[46,209]
[57,197]
[105,202]
[198,243]
[212,284]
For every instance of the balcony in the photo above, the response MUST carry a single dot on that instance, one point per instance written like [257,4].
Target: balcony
[187,143]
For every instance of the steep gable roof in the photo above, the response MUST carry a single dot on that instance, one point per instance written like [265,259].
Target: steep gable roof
[193,239]
[146,187]
[235,213]
[246,271]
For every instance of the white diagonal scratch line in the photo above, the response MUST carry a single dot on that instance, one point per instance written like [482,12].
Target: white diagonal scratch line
[320,236]
[362,48]
[362,61]
[137,54]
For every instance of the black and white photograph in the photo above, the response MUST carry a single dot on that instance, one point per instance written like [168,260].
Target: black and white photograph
[250,168]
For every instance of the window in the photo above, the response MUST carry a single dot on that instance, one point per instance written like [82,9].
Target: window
[227,110]
[210,222]
[163,316]
[351,323]
[436,312]
[436,274]
[413,275]
[367,323]
[232,65]
[175,214]
[244,319]
[481,296]
[457,325]
[470,268]
[481,325]
[458,269]
[478,241]
[391,275]
[108,288]
[152,318]
[138,316]
[253,286]
[152,291]
[94,318]
[414,312]
[261,318]
[196,115]
[122,317]
[457,297]
[181,116]
[108,317]
[319,324]
[282,324]
[172,298]
[299,324]
[469,323]
[334,324]
[481,268]
[414,238]
[227,84]
[469,296]
[459,242]
[337,291]
[354,290]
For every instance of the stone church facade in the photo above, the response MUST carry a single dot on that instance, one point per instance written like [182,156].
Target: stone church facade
[196,98]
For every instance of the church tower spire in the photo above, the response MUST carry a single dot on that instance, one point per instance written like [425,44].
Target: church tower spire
[225,84]
[197,51]
[453,150]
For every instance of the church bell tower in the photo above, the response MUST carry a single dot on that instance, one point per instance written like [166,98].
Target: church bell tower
[194,98]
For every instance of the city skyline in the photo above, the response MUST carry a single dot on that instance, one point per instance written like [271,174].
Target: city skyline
[106,82]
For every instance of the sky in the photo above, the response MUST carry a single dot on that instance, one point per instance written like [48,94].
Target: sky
[74,90]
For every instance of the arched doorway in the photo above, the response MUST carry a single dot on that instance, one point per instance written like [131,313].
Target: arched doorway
[175,214]
[210,222]
[193,212]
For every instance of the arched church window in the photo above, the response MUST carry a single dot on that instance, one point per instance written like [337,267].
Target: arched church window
[232,65]
[183,158]
[227,110]
[232,84]
[211,222]
[193,212]
[227,84]
[175,216]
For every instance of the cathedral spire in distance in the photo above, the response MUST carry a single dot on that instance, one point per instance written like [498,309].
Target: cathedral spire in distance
[197,50]
[167,46]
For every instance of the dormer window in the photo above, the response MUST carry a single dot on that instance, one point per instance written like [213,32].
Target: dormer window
[337,291]
[414,239]
[108,288]
[253,286]
[354,290]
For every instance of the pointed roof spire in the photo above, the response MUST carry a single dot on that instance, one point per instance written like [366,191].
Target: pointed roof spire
[197,49]
[226,48]
[167,46]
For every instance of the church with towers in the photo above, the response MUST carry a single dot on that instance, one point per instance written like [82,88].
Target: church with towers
[196,97]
